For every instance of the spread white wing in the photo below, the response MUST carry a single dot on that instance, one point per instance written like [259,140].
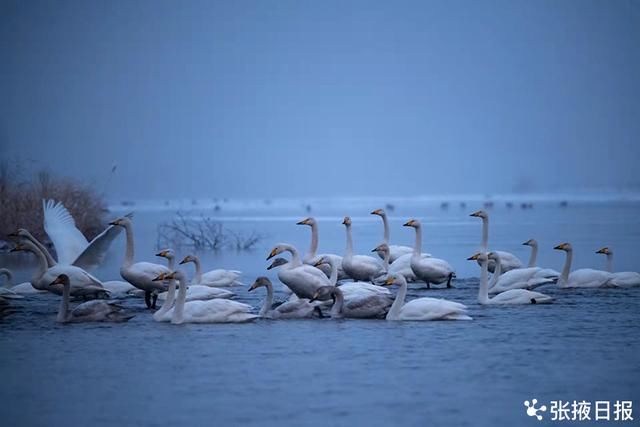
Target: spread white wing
[61,229]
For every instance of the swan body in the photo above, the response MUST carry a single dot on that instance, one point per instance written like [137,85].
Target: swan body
[359,267]
[402,264]
[5,291]
[210,311]
[430,270]
[82,284]
[359,306]
[140,274]
[302,279]
[422,308]
[623,279]
[118,287]
[509,261]
[299,308]
[510,297]
[215,278]
[351,289]
[395,251]
[71,246]
[581,278]
[529,277]
[202,293]
[311,256]
[91,311]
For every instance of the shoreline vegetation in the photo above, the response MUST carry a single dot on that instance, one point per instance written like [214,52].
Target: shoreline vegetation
[21,203]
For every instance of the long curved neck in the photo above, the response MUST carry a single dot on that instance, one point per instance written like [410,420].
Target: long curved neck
[610,262]
[564,276]
[42,262]
[128,256]
[178,311]
[171,263]
[483,291]
[418,245]
[168,302]
[484,245]
[348,253]
[314,241]
[198,276]
[496,272]
[63,311]
[45,252]
[533,258]
[394,311]
[295,256]
[385,259]
[336,309]
[385,223]
[333,277]
[268,301]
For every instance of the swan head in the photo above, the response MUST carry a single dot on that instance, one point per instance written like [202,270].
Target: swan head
[276,251]
[412,223]
[20,233]
[494,256]
[174,275]
[121,222]
[531,242]
[480,214]
[479,256]
[605,251]
[20,247]
[277,263]
[379,212]
[188,258]
[259,282]
[564,247]
[318,261]
[346,221]
[166,253]
[307,221]
[393,279]
[323,293]
[383,247]
[62,279]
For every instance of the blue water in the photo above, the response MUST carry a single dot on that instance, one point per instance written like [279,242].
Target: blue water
[349,372]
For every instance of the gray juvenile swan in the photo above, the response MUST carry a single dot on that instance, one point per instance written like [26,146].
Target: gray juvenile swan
[298,309]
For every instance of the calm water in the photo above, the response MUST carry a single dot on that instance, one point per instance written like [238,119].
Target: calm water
[350,372]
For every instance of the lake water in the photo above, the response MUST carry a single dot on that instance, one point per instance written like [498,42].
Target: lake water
[585,346]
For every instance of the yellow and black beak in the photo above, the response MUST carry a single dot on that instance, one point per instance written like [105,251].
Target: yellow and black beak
[252,287]
[304,221]
[185,260]
[388,281]
[273,253]
[476,213]
[561,246]
[17,248]
[474,257]
[162,254]
[409,223]
[604,250]
[161,277]
[315,296]
[377,212]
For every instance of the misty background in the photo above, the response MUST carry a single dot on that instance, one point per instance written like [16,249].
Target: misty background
[324,98]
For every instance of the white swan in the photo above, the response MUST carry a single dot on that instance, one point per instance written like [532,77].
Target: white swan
[71,246]
[215,278]
[298,309]
[422,308]
[359,267]
[402,265]
[140,274]
[351,289]
[533,260]
[581,278]
[509,260]
[90,311]
[395,251]
[430,270]
[6,291]
[510,297]
[359,306]
[520,278]
[210,311]
[623,279]
[302,279]
[82,283]
[311,256]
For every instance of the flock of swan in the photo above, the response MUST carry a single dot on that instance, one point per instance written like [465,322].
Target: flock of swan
[320,284]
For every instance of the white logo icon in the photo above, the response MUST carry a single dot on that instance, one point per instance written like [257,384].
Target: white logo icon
[532,411]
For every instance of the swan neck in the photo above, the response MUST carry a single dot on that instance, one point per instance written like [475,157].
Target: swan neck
[564,276]
[385,259]
[349,251]
[385,223]
[178,311]
[295,257]
[484,246]
[417,247]
[483,291]
[268,301]
[533,258]
[168,302]
[42,263]
[129,254]
[198,276]
[314,241]
[336,309]
[333,277]
[394,311]
[64,304]
[45,252]
[610,262]
[9,274]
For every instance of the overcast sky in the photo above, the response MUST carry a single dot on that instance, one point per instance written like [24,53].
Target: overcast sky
[295,98]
